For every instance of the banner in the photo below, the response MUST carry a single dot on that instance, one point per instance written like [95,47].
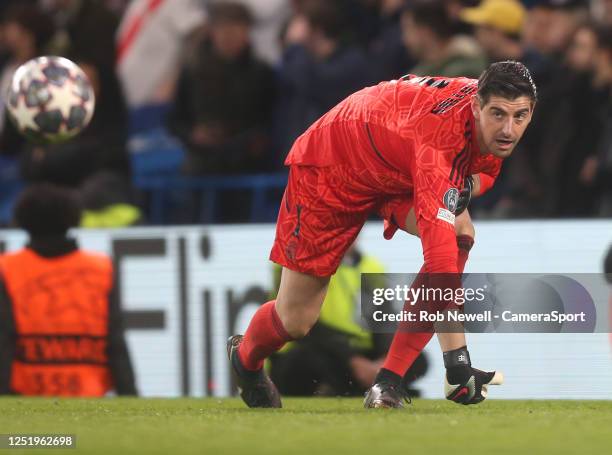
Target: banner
[184,290]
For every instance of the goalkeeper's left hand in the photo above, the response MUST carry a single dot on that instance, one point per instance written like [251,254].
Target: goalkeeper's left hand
[464,384]
[465,195]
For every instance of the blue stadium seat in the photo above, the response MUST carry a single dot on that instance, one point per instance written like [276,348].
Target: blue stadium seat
[156,158]
[208,189]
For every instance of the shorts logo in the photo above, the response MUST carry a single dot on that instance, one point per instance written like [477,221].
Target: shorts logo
[446,215]
[451,199]
[296,231]
[291,249]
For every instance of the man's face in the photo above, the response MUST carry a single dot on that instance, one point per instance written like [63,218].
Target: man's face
[16,37]
[535,31]
[501,122]
[582,51]
[230,39]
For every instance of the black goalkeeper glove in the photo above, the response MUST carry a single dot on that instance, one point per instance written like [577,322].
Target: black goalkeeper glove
[465,195]
[464,384]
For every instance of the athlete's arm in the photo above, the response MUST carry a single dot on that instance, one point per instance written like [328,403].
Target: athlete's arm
[482,184]
[398,213]
[484,180]
[440,253]
[463,384]
[436,197]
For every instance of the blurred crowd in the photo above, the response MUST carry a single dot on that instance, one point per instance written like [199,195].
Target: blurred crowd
[235,82]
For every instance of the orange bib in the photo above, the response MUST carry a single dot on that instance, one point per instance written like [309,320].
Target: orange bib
[60,306]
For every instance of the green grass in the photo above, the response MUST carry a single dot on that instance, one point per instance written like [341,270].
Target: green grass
[313,426]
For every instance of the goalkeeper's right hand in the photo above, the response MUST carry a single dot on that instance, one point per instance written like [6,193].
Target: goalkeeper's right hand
[464,384]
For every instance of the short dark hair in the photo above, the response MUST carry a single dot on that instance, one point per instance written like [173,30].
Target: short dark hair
[46,210]
[508,79]
[229,12]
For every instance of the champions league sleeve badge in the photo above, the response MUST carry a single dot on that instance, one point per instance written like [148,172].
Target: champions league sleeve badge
[450,199]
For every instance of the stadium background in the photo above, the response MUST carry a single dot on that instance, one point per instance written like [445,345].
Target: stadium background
[209,277]
[177,323]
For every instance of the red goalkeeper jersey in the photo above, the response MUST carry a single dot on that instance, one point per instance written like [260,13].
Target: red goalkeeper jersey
[421,124]
[412,138]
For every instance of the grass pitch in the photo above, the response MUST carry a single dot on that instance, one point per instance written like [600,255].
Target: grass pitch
[313,426]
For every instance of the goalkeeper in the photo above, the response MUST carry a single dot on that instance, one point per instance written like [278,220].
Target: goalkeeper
[403,149]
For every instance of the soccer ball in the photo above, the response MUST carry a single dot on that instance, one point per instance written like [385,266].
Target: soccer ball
[50,100]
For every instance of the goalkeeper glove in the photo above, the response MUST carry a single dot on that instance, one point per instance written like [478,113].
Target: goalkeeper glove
[464,384]
[465,195]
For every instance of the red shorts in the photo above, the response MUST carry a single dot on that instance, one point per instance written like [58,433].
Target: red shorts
[322,211]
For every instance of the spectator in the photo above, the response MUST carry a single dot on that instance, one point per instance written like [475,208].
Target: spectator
[338,356]
[602,12]
[497,26]
[551,24]
[269,19]
[597,169]
[454,9]
[558,162]
[533,176]
[96,161]
[6,5]
[150,40]
[117,6]
[320,66]
[588,91]
[429,35]
[86,35]
[84,28]
[52,294]
[582,50]
[26,32]
[390,57]
[224,99]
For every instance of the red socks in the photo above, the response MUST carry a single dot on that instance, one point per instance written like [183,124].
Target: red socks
[264,336]
[407,346]
[465,244]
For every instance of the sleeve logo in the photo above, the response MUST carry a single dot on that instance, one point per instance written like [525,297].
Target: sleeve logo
[451,199]
[446,215]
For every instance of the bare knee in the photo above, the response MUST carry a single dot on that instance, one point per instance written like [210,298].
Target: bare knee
[464,225]
[298,323]
[410,224]
[299,301]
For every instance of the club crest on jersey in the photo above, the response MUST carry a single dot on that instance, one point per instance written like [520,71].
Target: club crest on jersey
[451,199]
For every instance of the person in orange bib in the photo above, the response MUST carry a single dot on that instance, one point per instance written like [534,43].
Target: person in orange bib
[60,321]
